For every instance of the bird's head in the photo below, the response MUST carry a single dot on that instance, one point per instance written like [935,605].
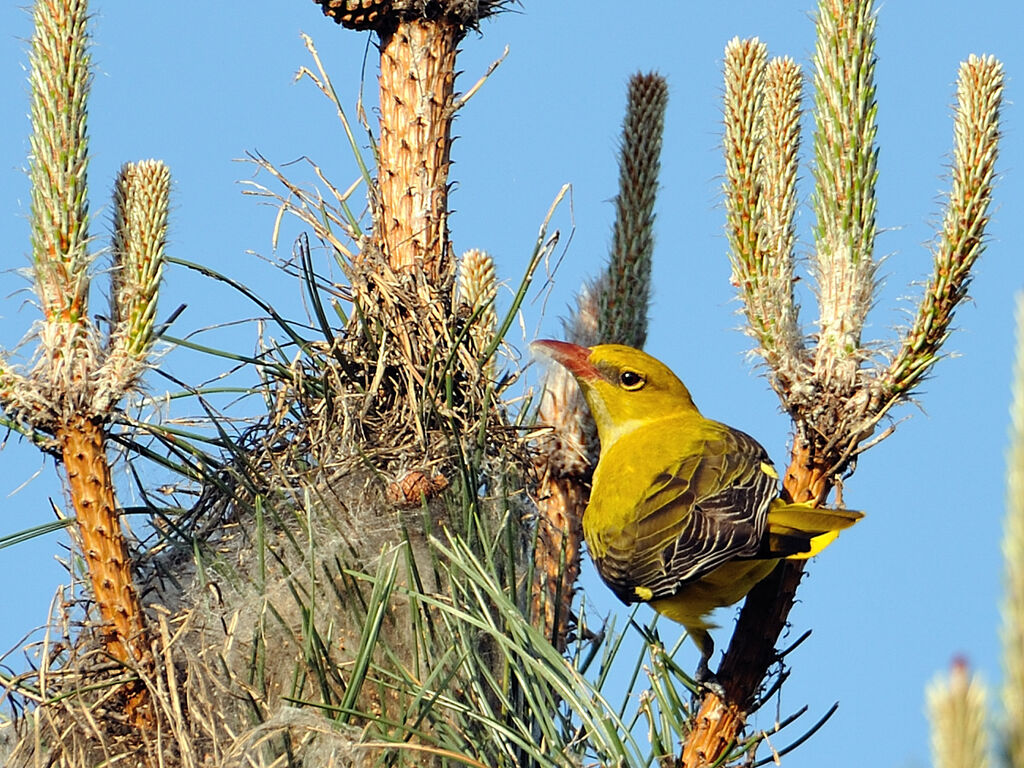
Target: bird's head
[624,387]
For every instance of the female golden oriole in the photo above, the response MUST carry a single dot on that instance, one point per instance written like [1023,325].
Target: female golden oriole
[684,512]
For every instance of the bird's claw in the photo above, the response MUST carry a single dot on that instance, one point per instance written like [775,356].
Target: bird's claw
[706,680]
[713,686]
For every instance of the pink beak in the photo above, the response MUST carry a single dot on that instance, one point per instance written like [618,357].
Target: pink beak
[575,358]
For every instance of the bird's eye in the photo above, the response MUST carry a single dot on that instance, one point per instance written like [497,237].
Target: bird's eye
[631,380]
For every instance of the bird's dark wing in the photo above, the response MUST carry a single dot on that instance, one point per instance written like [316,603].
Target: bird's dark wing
[702,511]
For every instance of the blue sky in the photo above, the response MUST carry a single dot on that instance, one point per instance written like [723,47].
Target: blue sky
[913,584]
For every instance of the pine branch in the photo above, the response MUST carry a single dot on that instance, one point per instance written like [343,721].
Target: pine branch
[961,242]
[565,461]
[613,309]
[75,385]
[625,292]
[836,401]
[845,173]
[782,342]
[762,121]
[59,79]
[1013,556]
[744,93]
[141,202]
[957,710]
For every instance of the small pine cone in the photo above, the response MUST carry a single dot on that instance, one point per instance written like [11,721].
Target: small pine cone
[357,14]
[414,487]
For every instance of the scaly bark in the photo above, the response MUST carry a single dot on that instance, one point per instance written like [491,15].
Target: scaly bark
[561,501]
[82,443]
[417,81]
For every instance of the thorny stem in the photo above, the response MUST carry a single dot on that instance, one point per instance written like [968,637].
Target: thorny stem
[744,88]
[66,374]
[82,445]
[762,117]
[417,81]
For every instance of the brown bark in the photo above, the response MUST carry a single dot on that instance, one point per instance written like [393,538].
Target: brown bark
[752,648]
[417,81]
[92,492]
[560,502]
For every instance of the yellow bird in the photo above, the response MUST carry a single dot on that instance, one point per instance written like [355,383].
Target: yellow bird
[684,512]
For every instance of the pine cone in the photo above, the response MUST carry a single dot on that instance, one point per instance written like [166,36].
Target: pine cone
[357,14]
[410,490]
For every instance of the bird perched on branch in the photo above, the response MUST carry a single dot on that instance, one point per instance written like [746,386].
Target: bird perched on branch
[684,512]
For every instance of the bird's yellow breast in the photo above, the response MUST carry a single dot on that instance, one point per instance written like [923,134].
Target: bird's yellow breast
[629,467]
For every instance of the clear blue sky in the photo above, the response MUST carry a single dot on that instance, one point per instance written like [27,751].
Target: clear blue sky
[915,583]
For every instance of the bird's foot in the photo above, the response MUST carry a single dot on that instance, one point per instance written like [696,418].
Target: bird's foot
[706,680]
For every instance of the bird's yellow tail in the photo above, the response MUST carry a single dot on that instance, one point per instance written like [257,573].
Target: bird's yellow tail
[801,531]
